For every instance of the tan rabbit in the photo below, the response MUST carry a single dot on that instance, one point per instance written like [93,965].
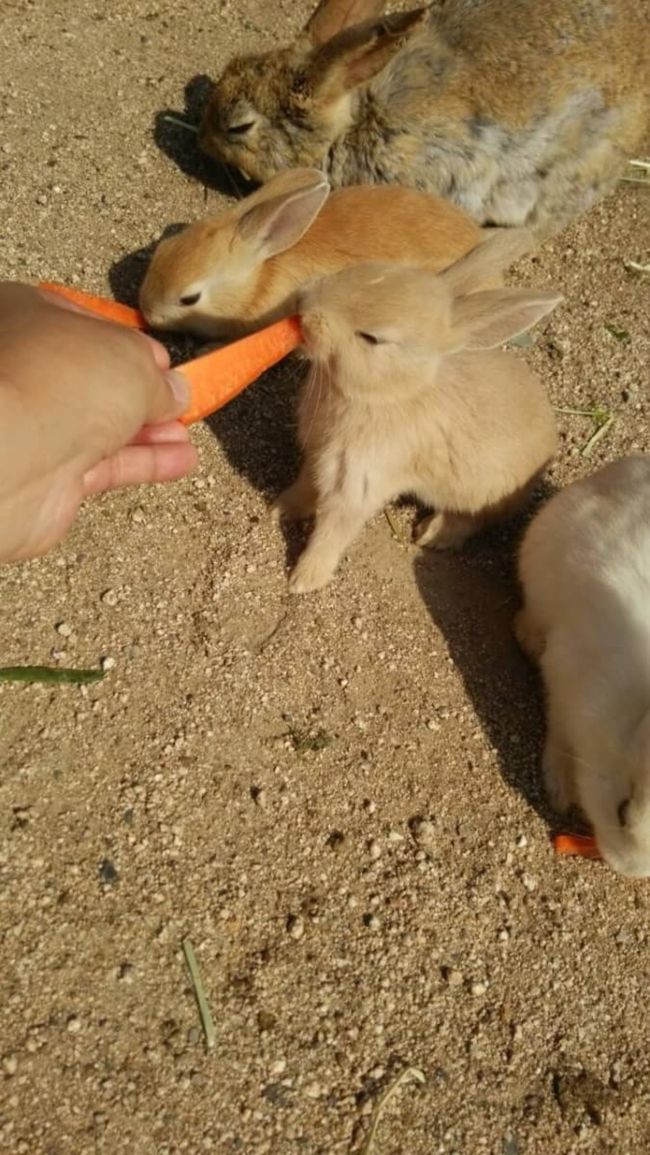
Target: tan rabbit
[585,569]
[520,111]
[242,269]
[408,393]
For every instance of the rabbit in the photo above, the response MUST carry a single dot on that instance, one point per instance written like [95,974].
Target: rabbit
[522,112]
[584,565]
[240,270]
[407,393]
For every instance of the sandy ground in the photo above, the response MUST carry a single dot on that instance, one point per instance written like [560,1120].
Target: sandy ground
[336,798]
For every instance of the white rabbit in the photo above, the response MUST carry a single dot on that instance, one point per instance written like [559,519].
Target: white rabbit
[585,570]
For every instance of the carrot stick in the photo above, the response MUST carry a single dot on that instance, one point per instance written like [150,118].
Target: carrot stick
[102,306]
[219,376]
[582,845]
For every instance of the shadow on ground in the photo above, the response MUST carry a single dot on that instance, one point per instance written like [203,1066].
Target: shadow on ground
[125,276]
[179,143]
[472,597]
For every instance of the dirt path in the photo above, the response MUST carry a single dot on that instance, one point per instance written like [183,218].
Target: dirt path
[252,771]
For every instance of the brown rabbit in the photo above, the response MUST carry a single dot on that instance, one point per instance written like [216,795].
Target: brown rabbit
[520,111]
[408,393]
[243,268]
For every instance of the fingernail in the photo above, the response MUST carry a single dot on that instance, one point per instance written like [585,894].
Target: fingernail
[179,386]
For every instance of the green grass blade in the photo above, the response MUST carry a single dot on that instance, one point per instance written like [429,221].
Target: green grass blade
[51,674]
[199,991]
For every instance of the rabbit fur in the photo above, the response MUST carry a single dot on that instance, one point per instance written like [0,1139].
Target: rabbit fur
[585,569]
[242,269]
[408,393]
[522,112]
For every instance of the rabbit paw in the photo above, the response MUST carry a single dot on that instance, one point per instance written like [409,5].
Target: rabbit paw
[557,764]
[309,574]
[444,530]
[530,638]
[294,504]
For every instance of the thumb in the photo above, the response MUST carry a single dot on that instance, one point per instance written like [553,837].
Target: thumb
[176,404]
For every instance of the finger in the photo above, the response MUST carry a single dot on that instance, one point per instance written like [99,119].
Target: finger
[164,433]
[161,356]
[141,465]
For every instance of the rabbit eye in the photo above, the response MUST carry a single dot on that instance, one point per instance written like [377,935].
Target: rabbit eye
[191,299]
[240,129]
[622,812]
[370,338]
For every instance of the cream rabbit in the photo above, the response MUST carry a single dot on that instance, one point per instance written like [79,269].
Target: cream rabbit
[407,393]
[585,569]
[520,111]
[242,269]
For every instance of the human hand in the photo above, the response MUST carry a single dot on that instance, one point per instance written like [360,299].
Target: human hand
[85,406]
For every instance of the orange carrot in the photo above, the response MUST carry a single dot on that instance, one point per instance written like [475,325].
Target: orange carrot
[582,845]
[102,306]
[219,376]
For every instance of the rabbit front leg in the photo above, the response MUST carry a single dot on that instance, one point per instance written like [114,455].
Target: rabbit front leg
[351,492]
[558,761]
[337,525]
[298,501]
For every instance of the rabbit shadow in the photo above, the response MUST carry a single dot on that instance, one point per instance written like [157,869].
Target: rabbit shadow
[125,275]
[175,134]
[472,597]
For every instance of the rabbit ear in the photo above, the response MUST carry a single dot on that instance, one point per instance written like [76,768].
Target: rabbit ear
[499,249]
[277,224]
[485,320]
[359,53]
[291,180]
[332,16]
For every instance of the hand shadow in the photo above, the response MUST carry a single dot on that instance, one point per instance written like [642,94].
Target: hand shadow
[472,597]
[179,142]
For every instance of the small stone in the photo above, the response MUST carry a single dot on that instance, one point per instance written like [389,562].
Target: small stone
[266,1021]
[313,1090]
[278,1067]
[374,849]
[394,836]
[64,630]
[110,598]
[377,1073]
[424,832]
[529,882]
[295,926]
[454,977]
[372,922]
[478,989]
[73,1025]
[335,840]
[10,1064]
[193,1036]
[138,515]
[107,872]
[357,622]
[108,663]
[522,841]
